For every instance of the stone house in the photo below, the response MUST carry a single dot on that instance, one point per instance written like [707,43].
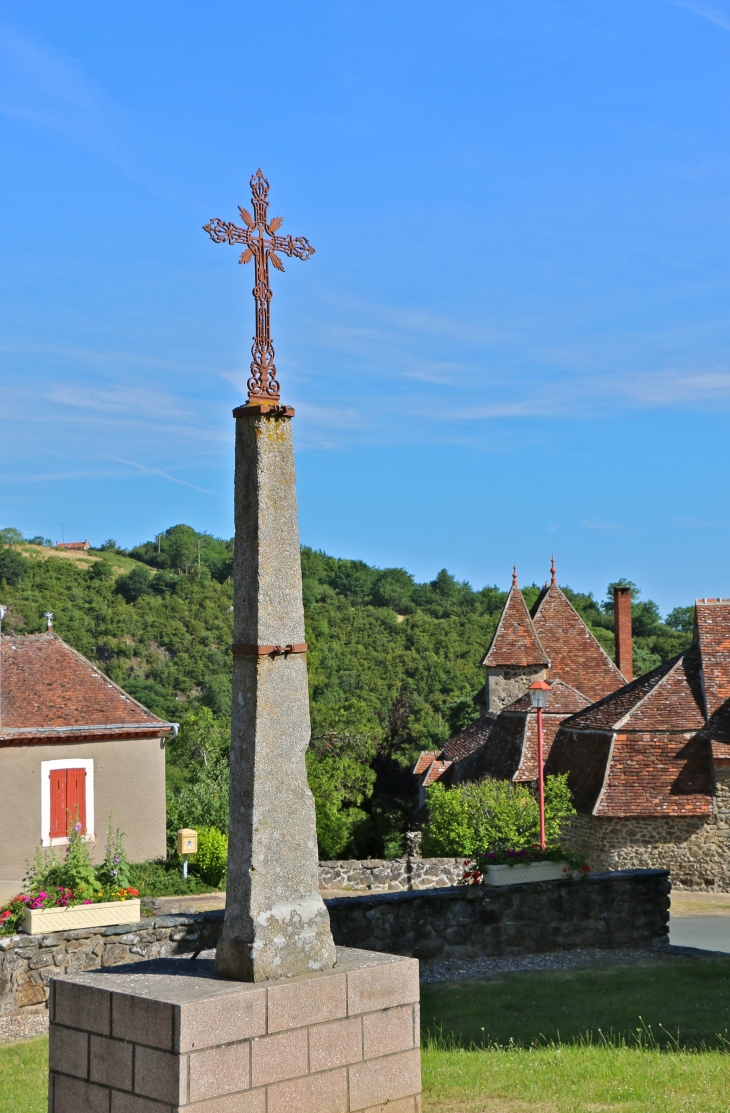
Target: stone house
[73,743]
[550,643]
[649,765]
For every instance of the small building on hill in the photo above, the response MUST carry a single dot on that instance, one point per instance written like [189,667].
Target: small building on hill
[72,743]
[73,545]
[649,765]
[550,643]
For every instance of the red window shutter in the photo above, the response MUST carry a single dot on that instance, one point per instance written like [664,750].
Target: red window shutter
[76,797]
[58,803]
[68,793]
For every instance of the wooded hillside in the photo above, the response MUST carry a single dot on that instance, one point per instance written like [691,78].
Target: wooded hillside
[393,664]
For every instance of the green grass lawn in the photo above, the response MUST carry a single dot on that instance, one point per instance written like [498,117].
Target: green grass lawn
[688,999]
[626,1039]
[574,1079]
[24,1076]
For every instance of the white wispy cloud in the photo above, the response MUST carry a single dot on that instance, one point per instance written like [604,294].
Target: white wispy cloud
[122,400]
[145,469]
[706,11]
[41,86]
[594,523]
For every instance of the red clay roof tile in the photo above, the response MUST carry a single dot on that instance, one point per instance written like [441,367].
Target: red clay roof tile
[515,642]
[575,655]
[712,619]
[48,687]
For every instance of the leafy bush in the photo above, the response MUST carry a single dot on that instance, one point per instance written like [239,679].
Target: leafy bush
[203,803]
[492,815]
[211,860]
[160,877]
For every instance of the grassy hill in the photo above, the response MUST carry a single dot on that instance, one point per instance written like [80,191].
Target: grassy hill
[393,664]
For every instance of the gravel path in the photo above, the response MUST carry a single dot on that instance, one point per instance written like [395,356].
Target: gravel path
[23,1027]
[483,969]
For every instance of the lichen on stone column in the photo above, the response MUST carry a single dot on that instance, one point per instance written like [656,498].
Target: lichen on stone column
[276,923]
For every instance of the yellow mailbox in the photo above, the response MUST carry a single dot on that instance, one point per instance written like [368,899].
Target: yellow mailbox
[187,841]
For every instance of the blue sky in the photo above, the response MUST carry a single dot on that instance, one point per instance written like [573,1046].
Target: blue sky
[514,336]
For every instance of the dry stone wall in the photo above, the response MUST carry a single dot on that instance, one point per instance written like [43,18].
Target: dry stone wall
[29,962]
[626,909]
[610,910]
[378,875]
[695,849]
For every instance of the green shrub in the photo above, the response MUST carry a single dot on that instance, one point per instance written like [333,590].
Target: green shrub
[201,803]
[211,859]
[492,815]
[159,877]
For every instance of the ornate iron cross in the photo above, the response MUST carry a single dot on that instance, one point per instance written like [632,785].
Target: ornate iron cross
[262,244]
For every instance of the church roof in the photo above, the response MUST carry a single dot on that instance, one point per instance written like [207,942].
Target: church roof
[515,642]
[575,655]
[562,700]
[667,698]
[49,692]
[510,749]
[712,624]
[644,750]
[468,740]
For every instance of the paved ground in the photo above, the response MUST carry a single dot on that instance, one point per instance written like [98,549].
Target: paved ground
[700,920]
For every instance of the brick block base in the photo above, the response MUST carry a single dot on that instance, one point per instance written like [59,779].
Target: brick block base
[168,1036]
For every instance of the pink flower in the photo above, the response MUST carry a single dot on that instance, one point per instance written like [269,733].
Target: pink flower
[87,902]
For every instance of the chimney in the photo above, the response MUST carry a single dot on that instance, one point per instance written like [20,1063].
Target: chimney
[622,631]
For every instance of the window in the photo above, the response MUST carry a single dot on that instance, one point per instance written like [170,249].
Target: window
[66,785]
[68,800]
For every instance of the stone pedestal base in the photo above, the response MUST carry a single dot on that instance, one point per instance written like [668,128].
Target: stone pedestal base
[168,1035]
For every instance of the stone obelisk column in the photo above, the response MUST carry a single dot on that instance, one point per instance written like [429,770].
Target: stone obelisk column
[276,923]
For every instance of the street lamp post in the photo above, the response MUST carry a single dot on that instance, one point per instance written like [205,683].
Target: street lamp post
[539,692]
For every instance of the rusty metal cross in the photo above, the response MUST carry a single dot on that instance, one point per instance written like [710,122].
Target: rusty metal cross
[262,244]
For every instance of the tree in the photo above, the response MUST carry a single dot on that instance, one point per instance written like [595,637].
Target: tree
[10,536]
[134,584]
[682,619]
[13,567]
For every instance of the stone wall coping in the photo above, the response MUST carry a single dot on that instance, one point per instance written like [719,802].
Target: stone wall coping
[477,892]
[22,941]
[378,863]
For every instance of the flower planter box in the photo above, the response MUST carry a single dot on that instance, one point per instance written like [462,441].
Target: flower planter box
[42,921]
[527,871]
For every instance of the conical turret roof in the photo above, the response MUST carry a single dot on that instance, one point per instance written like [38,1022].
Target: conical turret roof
[515,642]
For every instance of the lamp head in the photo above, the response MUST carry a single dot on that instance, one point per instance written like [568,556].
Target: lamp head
[539,692]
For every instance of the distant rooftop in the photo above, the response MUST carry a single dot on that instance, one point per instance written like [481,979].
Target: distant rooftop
[50,691]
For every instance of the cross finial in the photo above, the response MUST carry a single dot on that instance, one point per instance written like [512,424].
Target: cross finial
[553,572]
[514,575]
[261,244]
[48,615]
